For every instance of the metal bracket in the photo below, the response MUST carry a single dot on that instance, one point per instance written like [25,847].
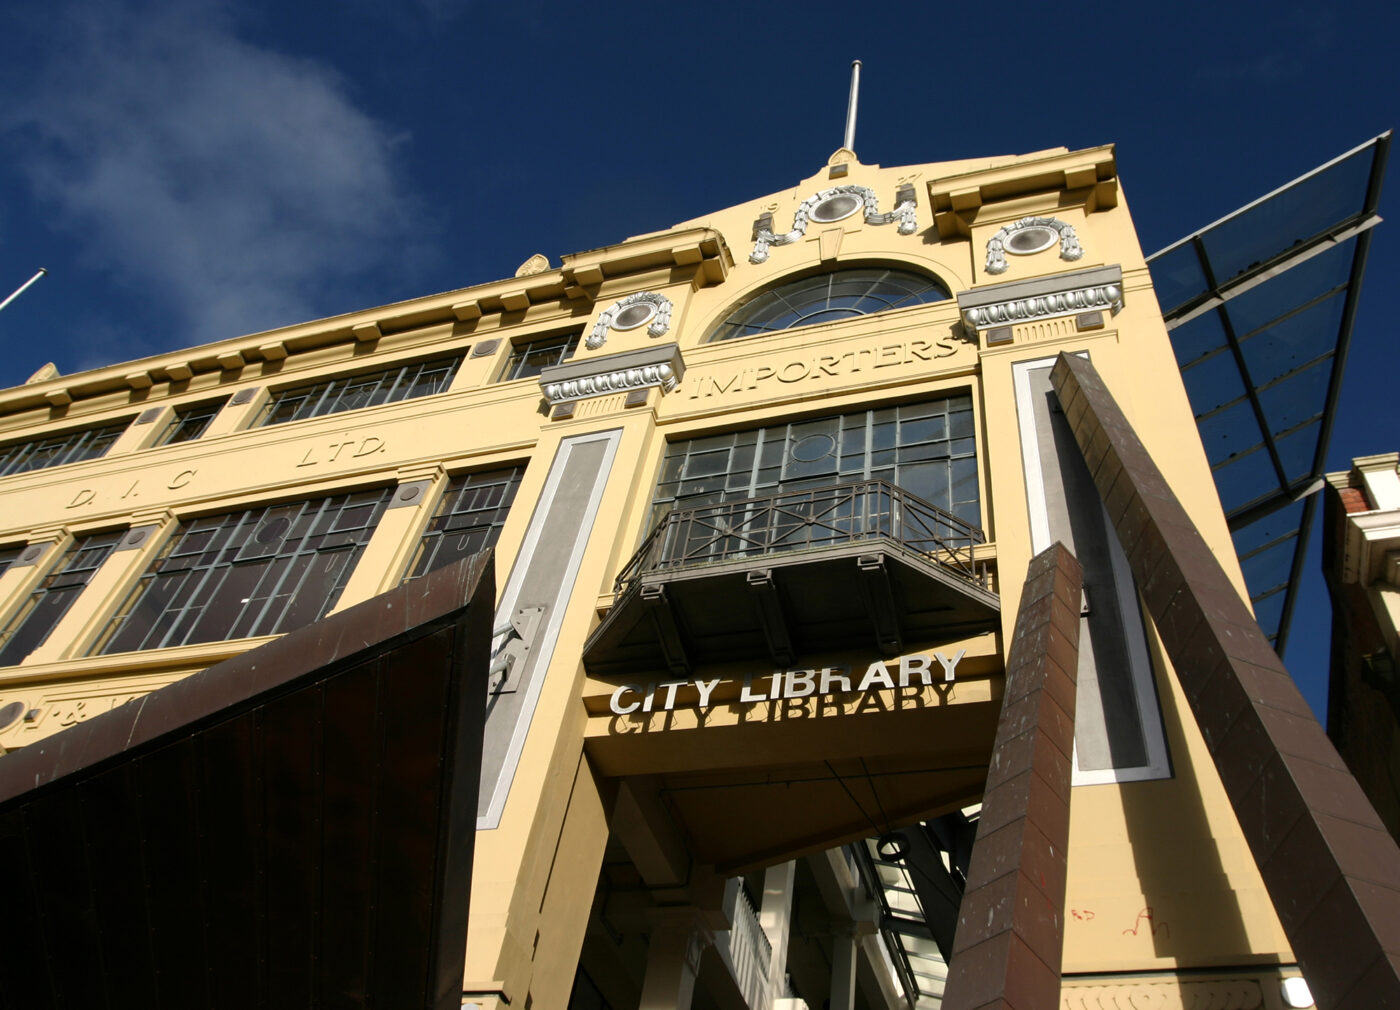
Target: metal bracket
[508,658]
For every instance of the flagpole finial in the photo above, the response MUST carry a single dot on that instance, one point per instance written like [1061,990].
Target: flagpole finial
[850,143]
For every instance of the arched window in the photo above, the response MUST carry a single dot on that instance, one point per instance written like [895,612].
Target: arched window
[824,298]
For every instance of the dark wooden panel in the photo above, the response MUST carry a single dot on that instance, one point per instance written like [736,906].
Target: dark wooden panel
[233,829]
[291,828]
[293,878]
[413,724]
[116,861]
[352,771]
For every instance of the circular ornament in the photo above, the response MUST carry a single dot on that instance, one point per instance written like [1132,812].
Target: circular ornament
[10,714]
[837,207]
[634,315]
[813,447]
[273,530]
[1032,239]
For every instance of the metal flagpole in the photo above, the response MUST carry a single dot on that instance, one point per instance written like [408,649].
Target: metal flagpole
[850,143]
[21,289]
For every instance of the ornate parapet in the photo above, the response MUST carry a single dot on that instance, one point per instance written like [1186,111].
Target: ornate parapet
[613,373]
[1042,298]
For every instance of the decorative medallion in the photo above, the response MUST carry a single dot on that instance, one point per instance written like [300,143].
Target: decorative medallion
[832,205]
[629,313]
[1028,236]
[536,264]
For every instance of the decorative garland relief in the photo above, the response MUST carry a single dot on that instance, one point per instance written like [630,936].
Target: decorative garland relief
[904,213]
[660,318]
[996,245]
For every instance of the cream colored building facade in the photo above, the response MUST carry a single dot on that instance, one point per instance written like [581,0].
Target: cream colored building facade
[659,825]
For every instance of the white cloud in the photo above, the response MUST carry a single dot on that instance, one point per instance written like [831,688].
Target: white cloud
[240,186]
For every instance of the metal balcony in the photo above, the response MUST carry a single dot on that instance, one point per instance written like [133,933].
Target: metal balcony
[846,566]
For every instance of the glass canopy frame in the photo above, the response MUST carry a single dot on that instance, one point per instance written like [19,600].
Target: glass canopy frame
[1260,306]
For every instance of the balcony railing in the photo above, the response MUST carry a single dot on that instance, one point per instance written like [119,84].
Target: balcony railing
[804,520]
[747,952]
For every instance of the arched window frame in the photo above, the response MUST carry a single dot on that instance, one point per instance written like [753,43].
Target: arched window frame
[888,288]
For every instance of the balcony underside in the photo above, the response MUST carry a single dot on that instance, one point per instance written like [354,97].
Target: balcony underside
[786,605]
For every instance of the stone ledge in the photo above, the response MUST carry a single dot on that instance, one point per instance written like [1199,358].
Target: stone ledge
[660,366]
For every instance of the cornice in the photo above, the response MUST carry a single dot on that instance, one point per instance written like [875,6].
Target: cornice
[578,278]
[1037,298]
[1371,546]
[660,366]
[956,198]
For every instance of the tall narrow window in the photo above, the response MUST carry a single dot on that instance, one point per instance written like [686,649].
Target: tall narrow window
[260,572]
[55,450]
[530,359]
[189,423]
[8,556]
[55,595]
[406,382]
[468,519]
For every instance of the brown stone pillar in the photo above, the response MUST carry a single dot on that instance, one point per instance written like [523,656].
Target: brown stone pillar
[1011,926]
[1331,868]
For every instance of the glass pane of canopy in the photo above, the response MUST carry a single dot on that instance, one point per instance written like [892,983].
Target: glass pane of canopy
[1259,306]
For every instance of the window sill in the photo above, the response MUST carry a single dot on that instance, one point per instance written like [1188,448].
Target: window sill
[119,664]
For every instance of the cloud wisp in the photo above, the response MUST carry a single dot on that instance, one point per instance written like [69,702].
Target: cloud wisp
[233,185]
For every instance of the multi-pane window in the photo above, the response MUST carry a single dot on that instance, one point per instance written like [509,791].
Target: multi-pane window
[54,595]
[926,448]
[260,572]
[8,556]
[420,378]
[530,359]
[190,422]
[55,450]
[468,519]
[828,297]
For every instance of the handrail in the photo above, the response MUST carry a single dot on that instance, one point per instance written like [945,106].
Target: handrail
[804,520]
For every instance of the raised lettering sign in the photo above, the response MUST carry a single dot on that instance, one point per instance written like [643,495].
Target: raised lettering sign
[660,696]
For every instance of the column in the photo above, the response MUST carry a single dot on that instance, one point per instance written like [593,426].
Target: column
[1331,868]
[775,916]
[678,938]
[387,554]
[18,580]
[85,620]
[1010,933]
[844,949]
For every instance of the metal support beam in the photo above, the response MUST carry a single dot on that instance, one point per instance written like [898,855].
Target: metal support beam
[658,605]
[1331,868]
[1010,935]
[876,592]
[769,608]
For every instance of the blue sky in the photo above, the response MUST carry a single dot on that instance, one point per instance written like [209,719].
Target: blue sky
[197,170]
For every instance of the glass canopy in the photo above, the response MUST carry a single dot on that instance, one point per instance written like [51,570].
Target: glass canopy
[1260,307]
